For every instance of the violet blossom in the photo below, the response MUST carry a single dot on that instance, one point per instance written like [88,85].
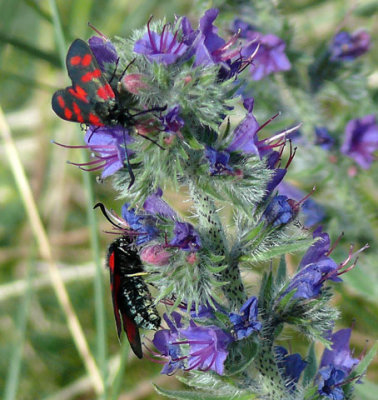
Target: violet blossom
[163,48]
[207,347]
[291,366]
[246,322]
[361,140]
[329,383]
[347,47]
[218,161]
[312,211]
[323,138]
[164,341]
[279,211]
[107,145]
[171,121]
[185,237]
[339,355]
[103,50]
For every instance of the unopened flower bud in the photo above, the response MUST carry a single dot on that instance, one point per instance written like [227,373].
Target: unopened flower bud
[155,255]
[133,83]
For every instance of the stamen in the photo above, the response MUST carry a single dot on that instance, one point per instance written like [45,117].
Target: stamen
[300,202]
[97,31]
[269,121]
[153,45]
[335,244]
[283,133]
[162,41]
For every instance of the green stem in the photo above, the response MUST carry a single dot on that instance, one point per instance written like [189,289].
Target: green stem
[209,219]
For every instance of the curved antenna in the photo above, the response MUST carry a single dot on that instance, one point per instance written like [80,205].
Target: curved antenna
[106,215]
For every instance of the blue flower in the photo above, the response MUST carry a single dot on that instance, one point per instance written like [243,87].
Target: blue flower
[323,138]
[347,47]
[340,355]
[171,121]
[154,204]
[291,366]
[245,323]
[245,134]
[330,379]
[103,50]
[207,347]
[161,48]
[107,145]
[185,237]
[312,211]
[361,140]
[164,341]
[218,161]
[279,211]
[143,225]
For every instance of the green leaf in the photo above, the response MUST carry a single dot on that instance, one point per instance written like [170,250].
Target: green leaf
[188,395]
[367,391]
[249,348]
[251,235]
[311,368]
[281,271]
[311,393]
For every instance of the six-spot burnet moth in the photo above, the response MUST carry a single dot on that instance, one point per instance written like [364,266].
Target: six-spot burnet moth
[132,302]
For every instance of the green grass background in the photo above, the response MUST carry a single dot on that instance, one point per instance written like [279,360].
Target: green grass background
[57,334]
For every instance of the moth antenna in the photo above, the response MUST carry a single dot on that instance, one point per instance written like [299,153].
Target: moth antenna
[106,215]
[127,67]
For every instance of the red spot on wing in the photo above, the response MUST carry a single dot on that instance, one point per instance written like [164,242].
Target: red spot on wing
[67,113]
[77,111]
[91,75]
[61,101]
[111,262]
[75,60]
[86,60]
[109,91]
[79,93]
[95,120]
[105,92]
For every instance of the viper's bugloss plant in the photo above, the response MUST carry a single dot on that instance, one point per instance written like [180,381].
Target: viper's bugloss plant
[166,115]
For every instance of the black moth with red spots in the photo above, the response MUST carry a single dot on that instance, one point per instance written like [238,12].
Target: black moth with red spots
[132,301]
[90,99]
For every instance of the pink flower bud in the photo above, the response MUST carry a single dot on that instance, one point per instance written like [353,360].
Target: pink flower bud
[192,258]
[134,83]
[155,255]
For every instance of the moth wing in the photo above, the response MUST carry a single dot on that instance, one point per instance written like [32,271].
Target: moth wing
[89,92]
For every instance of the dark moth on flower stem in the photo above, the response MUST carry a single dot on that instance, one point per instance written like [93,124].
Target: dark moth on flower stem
[132,301]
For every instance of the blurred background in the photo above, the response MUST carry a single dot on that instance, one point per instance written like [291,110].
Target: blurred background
[57,333]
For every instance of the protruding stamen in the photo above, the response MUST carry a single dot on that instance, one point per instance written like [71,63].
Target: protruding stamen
[335,244]
[153,45]
[98,32]
[269,121]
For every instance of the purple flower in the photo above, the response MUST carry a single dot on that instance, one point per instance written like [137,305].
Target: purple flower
[144,225]
[108,147]
[347,47]
[163,48]
[186,238]
[245,134]
[279,211]
[361,140]
[313,212]
[218,161]
[104,51]
[164,342]
[270,57]
[323,138]
[154,204]
[314,269]
[291,366]
[207,347]
[340,355]
[245,323]
[329,381]
[210,49]
[171,121]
